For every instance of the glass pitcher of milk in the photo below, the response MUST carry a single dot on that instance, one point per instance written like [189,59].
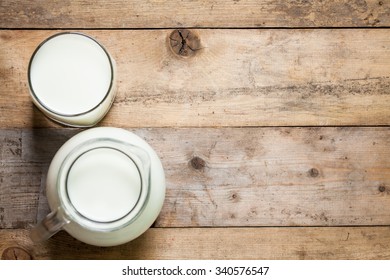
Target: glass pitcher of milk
[72,79]
[105,186]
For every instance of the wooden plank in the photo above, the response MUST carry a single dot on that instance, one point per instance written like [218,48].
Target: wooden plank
[10,145]
[19,194]
[238,78]
[243,176]
[213,243]
[198,13]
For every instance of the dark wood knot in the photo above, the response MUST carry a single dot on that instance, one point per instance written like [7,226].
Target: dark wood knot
[313,172]
[198,163]
[15,253]
[382,188]
[184,42]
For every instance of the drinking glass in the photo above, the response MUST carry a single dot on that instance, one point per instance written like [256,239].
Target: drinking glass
[72,78]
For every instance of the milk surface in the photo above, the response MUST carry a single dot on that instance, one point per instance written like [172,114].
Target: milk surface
[103,184]
[70,74]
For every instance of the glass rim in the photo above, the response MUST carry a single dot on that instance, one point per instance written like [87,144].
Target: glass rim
[40,101]
[67,177]
[81,219]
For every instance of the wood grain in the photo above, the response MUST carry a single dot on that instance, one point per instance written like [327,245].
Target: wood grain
[215,243]
[190,13]
[232,177]
[20,185]
[239,78]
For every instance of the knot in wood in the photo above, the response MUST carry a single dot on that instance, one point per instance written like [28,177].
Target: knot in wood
[184,42]
[313,172]
[382,188]
[198,163]
[15,253]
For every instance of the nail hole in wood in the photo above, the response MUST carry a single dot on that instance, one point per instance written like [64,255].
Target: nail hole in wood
[198,163]
[184,42]
[234,197]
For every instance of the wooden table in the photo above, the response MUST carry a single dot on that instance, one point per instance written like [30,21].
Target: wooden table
[272,120]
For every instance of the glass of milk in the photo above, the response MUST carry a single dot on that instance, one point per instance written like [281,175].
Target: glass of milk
[72,79]
[105,186]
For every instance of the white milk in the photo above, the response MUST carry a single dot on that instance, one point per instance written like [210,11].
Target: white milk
[71,79]
[104,185]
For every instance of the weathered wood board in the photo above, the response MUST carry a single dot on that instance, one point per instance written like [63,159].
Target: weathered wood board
[238,78]
[190,13]
[230,177]
[213,243]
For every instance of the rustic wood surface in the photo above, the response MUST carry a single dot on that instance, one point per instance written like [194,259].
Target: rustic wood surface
[237,78]
[193,13]
[213,243]
[271,118]
[316,177]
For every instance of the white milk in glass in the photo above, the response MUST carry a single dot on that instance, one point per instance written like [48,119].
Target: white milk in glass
[71,78]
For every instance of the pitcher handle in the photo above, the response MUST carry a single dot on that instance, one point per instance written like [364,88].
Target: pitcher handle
[49,226]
